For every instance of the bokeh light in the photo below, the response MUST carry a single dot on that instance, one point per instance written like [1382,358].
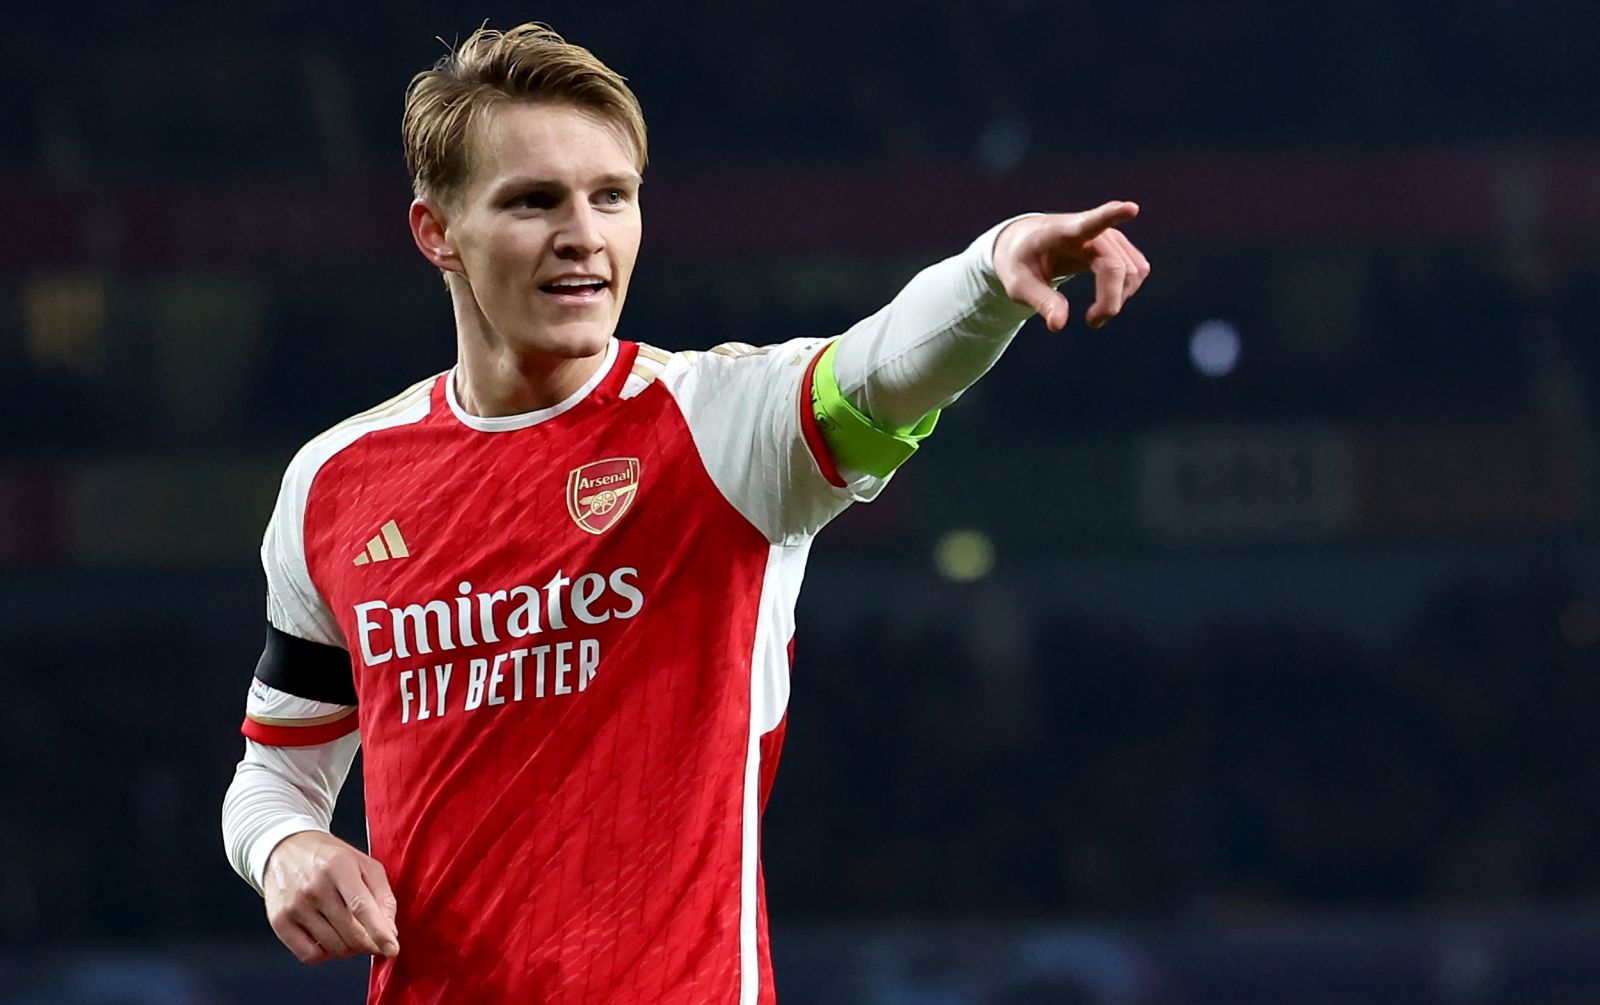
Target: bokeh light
[964,555]
[1214,347]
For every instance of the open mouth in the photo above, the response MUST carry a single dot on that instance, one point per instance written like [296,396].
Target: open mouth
[575,291]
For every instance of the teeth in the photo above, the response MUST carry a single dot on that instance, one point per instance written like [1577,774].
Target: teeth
[578,282]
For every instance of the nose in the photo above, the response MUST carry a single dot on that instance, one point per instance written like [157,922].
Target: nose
[581,236]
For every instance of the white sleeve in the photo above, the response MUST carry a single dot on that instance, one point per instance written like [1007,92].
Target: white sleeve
[294,604]
[744,408]
[742,404]
[279,791]
[942,332]
[296,609]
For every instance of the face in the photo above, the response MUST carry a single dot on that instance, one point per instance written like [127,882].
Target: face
[546,230]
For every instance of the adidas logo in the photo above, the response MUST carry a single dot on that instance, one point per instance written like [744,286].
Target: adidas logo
[385,545]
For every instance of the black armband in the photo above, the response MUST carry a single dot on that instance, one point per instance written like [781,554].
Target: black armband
[306,669]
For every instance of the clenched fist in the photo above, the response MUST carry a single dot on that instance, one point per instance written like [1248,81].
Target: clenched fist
[326,899]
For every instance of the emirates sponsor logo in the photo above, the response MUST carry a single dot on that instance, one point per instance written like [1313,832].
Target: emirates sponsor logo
[599,493]
[540,651]
[477,617]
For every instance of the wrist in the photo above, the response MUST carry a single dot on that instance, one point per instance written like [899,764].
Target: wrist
[270,840]
[1006,231]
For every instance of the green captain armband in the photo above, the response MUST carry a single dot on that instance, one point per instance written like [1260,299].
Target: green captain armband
[855,440]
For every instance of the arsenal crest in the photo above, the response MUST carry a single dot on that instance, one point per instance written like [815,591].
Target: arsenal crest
[600,492]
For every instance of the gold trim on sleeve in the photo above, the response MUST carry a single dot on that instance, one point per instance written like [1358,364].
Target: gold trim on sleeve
[320,720]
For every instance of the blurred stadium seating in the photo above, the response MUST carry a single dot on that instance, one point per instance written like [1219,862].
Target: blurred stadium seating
[1281,682]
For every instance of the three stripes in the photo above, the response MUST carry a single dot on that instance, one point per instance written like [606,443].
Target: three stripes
[385,545]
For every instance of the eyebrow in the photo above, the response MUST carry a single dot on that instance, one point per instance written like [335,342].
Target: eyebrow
[621,178]
[527,182]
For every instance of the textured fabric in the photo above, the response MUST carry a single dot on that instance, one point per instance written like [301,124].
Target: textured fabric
[278,791]
[569,638]
[541,656]
[306,669]
[933,341]
[853,438]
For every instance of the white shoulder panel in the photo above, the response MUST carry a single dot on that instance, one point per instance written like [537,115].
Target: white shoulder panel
[647,367]
[293,603]
[742,404]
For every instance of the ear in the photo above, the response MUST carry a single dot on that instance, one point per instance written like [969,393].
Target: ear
[429,230]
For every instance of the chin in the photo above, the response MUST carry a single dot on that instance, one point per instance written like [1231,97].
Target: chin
[575,340]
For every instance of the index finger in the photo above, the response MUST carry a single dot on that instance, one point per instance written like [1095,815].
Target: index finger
[1104,216]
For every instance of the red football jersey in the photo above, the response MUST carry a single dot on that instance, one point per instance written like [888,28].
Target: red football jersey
[568,634]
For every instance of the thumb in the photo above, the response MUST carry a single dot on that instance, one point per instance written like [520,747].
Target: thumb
[387,936]
[378,882]
[1044,298]
[1105,216]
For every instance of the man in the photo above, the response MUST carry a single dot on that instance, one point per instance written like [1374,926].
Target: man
[551,591]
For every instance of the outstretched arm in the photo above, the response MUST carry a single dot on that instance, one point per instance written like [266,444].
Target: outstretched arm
[954,319]
[793,433]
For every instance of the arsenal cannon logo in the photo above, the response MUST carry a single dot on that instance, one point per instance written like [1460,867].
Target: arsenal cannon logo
[600,492]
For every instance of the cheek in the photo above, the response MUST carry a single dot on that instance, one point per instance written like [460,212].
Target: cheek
[514,254]
[625,253]
[624,240]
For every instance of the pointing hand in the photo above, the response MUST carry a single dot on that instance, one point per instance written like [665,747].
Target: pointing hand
[1031,252]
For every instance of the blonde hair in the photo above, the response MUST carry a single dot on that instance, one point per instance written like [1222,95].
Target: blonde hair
[445,104]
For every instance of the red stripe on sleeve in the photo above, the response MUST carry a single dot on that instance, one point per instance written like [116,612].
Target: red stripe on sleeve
[813,432]
[299,736]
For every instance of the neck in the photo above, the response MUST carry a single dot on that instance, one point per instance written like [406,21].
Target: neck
[495,378]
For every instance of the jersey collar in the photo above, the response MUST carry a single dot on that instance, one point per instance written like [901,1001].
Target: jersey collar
[522,420]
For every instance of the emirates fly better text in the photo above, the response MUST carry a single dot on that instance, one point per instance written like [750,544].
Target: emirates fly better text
[536,670]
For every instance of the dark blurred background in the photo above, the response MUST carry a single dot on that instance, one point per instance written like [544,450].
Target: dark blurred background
[1242,651]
